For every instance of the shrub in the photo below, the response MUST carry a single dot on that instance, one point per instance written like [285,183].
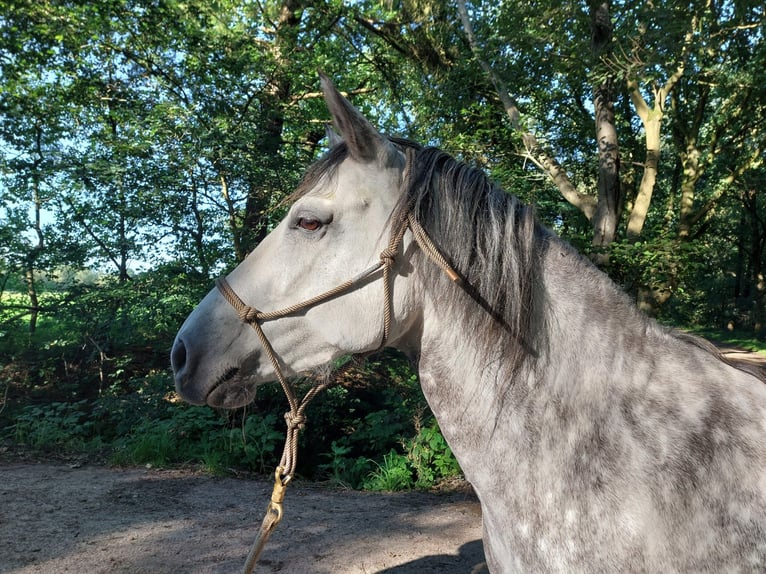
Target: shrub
[426,462]
[56,425]
[200,435]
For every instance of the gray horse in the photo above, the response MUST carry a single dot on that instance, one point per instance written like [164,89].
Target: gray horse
[596,440]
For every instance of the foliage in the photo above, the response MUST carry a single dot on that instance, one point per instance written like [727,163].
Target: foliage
[660,263]
[57,425]
[146,147]
[394,474]
[371,430]
[202,436]
[427,461]
[111,397]
[146,427]
[163,435]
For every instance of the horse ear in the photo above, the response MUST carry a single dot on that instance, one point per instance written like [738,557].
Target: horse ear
[363,141]
[332,136]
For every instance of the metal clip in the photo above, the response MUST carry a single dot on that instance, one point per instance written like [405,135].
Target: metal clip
[278,494]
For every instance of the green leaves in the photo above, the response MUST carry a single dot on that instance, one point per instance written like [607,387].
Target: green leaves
[426,462]
[149,145]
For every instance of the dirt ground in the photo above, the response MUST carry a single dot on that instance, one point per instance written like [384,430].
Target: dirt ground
[59,518]
[737,355]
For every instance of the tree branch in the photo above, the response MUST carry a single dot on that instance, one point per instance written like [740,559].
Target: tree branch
[537,155]
[639,103]
[509,104]
[314,95]
[387,38]
[104,247]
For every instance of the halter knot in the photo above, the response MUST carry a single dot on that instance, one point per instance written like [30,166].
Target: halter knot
[388,255]
[295,421]
[248,314]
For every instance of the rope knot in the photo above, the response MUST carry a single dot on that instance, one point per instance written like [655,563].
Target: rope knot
[295,421]
[388,255]
[248,314]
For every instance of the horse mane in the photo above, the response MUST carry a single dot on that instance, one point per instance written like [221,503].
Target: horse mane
[706,345]
[491,239]
[497,245]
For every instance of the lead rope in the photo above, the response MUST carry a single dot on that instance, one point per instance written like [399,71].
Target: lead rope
[295,417]
[284,472]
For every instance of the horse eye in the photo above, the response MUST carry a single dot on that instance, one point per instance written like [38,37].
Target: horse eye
[309,224]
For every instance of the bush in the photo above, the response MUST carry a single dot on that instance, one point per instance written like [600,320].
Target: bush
[94,378]
[431,458]
[200,435]
[426,462]
[394,474]
[57,425]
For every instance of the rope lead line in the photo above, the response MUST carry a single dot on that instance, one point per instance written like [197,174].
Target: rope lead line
[270,520]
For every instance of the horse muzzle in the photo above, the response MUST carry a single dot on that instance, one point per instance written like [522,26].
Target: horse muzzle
[228,387]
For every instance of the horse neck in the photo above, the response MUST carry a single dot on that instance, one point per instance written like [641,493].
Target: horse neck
[482,394]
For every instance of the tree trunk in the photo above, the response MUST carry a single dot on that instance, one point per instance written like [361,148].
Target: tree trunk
[692,171]
[606,216]
[123,245]
[650,300]
[759,313]
[236,232]
[34,303]
[638,214]
[198,231]
[275,97]
[756,282]
[37,248]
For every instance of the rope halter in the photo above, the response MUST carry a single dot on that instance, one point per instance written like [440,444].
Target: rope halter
[295,417]
[386,260]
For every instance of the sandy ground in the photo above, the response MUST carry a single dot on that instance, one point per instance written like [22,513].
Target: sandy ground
[738,355]
[55,518]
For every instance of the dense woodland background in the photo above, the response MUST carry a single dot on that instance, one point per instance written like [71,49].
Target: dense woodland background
[147,146]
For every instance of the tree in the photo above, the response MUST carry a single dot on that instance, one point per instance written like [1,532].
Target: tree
[173,131]
[30,125]
[642,57]
[690,77]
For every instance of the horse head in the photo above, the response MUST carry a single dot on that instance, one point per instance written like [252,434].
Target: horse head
[338,226]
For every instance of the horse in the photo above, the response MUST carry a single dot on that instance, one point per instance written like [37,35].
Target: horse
[595,439]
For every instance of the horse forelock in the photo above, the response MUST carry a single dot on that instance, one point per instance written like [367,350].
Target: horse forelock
[326,167]
[320,171]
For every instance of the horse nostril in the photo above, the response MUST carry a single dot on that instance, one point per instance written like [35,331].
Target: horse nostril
[178,356]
